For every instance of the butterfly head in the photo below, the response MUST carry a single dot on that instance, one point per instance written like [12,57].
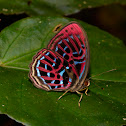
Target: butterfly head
[87,83]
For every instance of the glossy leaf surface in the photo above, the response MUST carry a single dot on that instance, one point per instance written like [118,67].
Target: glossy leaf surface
[51,7]
[22,101]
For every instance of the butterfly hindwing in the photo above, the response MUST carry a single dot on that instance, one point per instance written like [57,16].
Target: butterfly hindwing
[51,72]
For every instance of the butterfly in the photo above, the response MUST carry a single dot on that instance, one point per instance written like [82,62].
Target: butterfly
[63,65]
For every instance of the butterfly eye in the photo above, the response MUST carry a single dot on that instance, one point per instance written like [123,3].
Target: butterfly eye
[87,83]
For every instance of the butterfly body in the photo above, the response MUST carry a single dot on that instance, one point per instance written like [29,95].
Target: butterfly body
[64,64]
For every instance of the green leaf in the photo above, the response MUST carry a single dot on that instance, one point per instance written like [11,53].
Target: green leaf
[22,101]
[51,7]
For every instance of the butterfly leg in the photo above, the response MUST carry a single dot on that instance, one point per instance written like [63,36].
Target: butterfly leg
[62,94]
[80,97]
[86,91]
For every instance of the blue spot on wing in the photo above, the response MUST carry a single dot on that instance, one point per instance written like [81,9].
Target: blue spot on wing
[80,51]
[56,48]
[64,54]
[61,73]
[42,58]
[55,60]
[77,62]
[82,73]
[67,67]
[65,47]
[71,36]
[38,73]
[53,64]
[70,80]
[82,45]
[46,66]
[47,53]
[56,87]
[48,74]
[53,81]
[75,53]
[78,36]
[38,63]
[60,42]
[66,39]
[82,56]
[61,82]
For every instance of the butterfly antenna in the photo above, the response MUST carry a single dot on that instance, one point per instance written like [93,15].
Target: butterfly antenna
[101,73]
[98,86]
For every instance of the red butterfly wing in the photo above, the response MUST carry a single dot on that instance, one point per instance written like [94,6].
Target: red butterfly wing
[64,64]
[50,72]
[72,45]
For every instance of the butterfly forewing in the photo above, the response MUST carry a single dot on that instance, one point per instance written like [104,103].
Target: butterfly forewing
[72,45]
